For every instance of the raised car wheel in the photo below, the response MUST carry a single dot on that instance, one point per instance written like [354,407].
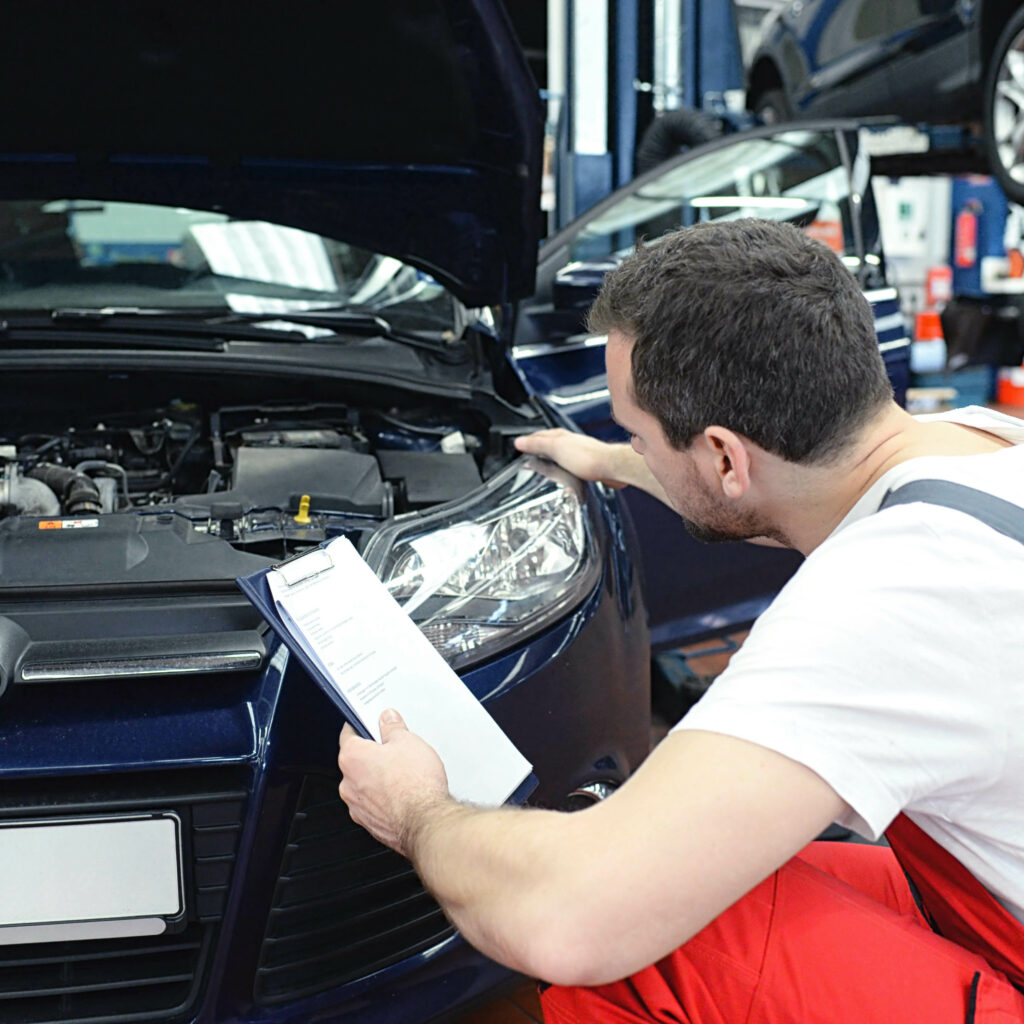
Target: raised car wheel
[1004,109]
[773,107]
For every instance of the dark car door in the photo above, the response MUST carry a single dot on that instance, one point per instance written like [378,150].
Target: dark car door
[933,70]
[832,54]
[814,176]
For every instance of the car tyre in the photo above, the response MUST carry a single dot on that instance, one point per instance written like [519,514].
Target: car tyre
[773,107]
[1004,109]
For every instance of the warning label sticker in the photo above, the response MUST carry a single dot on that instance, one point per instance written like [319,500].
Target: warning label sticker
[67,524]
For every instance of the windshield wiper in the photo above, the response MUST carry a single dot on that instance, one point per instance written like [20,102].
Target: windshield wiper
[184,324]
[257,326]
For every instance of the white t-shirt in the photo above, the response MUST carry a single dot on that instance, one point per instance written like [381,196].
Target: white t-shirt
[892,665]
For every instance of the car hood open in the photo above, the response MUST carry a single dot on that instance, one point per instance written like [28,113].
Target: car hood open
[408,127]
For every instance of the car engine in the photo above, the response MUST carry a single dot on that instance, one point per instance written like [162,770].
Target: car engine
[270,474]
[253,458]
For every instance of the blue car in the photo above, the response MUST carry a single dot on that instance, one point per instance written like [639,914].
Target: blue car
[257,265]
[948,62]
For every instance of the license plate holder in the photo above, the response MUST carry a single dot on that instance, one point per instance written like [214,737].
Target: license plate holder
[90,878]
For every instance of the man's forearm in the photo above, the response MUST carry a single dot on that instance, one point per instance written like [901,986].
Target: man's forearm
[615,464]
[631,469]
[494,873]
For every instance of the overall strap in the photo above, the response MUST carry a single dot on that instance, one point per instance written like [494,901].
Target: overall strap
[1001,515]
[957,904]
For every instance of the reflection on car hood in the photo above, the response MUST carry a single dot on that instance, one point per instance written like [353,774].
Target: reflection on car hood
[410,127]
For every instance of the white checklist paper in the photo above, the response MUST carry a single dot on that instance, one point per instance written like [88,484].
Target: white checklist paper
[375,657]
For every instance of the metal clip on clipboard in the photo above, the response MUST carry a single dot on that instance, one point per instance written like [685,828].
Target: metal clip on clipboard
[306,566]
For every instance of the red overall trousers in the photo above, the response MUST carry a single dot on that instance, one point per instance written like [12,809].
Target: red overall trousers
[834,936]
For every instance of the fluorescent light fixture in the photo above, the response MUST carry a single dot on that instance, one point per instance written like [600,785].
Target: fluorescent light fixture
[751,202]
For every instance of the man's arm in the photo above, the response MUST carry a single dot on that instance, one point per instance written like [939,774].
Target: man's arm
[590,897]
[616,465]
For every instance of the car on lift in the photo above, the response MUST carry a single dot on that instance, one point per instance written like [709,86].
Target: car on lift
[942,62]
[256,267]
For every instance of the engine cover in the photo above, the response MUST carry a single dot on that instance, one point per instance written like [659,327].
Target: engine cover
[335,480]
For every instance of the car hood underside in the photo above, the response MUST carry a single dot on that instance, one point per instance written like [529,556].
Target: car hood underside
[412,128]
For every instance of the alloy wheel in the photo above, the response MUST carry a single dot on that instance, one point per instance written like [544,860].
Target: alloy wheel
[1007,111]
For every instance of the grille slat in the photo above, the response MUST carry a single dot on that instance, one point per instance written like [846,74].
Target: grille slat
[333,851]
[312,886]
[306,978]
[344,906]
[374,897]
[116,983]
[91,954]
[354,930]
[99,986]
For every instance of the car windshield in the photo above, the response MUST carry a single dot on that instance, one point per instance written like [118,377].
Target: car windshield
[797,176]
[84,254]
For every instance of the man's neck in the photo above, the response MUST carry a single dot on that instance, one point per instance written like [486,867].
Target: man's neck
[891,438]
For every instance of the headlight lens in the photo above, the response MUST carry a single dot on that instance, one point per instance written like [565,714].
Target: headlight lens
[482,575]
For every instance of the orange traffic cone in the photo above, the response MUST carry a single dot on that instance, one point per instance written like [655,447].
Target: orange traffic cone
[928,349]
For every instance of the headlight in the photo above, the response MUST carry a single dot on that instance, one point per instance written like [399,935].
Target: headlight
[480,576]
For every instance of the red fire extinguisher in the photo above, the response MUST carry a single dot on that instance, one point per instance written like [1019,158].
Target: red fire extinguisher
[965,235]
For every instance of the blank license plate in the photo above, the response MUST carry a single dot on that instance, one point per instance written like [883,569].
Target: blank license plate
[89,879]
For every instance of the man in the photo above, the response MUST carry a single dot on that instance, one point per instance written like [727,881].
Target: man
[887,677]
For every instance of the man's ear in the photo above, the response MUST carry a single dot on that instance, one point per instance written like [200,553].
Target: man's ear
[730,459]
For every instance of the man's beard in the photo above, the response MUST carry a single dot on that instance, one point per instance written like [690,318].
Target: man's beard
[721,521]
[708,534]
[742,530]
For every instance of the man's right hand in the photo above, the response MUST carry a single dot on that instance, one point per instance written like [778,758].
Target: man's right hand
[583,456]
[615,465]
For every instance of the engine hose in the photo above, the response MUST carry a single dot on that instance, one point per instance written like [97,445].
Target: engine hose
[77,492]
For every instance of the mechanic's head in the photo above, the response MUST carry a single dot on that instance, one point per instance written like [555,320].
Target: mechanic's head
[752,326]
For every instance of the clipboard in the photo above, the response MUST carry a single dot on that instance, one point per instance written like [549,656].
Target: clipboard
[257,590]
[478,756]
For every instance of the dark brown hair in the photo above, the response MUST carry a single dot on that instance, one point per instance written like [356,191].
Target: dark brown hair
[750,325]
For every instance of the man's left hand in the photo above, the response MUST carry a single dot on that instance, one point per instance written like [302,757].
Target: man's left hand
[387,785]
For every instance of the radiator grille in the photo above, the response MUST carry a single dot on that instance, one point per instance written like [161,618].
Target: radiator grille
[138,980]
[344,906]
[116,981]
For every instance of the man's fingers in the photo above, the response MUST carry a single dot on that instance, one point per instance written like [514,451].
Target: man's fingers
[390,722]
[538,443]
[348,739]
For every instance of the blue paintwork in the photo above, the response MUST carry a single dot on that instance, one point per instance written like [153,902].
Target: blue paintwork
[277,725]
[856,57]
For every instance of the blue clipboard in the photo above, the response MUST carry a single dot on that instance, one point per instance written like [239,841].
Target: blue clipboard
[256,588]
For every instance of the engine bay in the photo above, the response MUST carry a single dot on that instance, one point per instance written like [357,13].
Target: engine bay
[274,469]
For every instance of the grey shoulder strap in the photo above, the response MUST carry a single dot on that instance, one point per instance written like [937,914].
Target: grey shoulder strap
[1001,515]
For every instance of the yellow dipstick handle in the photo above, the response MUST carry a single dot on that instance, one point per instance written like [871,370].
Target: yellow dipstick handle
[303,516]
